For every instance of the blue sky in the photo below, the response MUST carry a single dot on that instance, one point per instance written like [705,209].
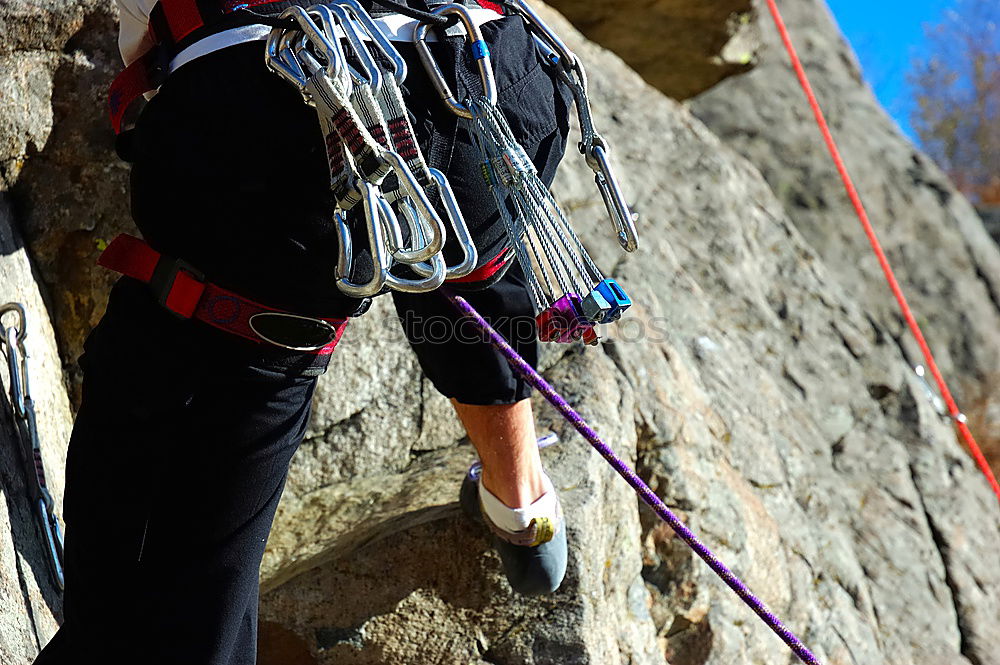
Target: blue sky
[887,34]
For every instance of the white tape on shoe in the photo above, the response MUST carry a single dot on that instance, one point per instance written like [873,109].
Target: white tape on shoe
[514,520]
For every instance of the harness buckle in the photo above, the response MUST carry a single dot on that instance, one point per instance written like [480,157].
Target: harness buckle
[164,280]
[293,331]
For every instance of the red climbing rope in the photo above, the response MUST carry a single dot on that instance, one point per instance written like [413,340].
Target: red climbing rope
[890,277]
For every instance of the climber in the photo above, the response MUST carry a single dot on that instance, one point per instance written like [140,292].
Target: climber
[192,407]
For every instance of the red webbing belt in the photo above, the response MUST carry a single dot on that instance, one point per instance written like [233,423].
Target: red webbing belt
[190,297]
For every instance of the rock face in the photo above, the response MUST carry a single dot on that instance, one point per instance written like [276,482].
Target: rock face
[682,47]
[29,603]
[936,242]
[754,385]
[57,160]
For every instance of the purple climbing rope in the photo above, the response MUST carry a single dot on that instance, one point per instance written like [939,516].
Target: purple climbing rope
[642,489]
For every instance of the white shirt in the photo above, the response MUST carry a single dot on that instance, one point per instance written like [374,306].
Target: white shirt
[133,40]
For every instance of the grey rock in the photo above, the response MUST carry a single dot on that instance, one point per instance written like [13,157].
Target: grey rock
[29,603]
[991,220]
[57,159]
[768,438]
[936,243]
[682,47]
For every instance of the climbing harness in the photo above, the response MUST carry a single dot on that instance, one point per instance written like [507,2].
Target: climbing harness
[368,137]
[569,294]
[521,366]
[12,344]
[182,290]
[961,422]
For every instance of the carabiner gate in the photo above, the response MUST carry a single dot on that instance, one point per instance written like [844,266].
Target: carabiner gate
[470,255]
[561,54]
[379,40]
[333,17]
[411,189]
[480,51]
[373,212]
[622,216]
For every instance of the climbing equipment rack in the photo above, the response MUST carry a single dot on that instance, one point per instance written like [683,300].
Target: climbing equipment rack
[350,72]
[346,68]
[569,293]
[30,451]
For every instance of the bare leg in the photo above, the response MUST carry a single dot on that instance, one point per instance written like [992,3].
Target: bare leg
[504,436]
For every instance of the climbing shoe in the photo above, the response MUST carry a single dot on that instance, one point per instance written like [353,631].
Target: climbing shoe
[534,558]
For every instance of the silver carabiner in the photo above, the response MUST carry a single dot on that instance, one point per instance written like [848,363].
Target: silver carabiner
[373,212]
[432,280]
[480,51]
[16,365]
[286,49]
[334,16]
[622,216]
[595,149]
[381,42]
[13,338]
[562,53]
[281,60]
[411,189]
[469,252]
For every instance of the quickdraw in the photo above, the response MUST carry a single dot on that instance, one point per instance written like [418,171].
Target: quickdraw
[12,345]
[569,292]
[355,90]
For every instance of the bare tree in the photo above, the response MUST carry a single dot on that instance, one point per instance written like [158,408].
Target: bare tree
[956,89]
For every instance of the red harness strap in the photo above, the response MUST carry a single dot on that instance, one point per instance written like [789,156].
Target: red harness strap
[183,291]
[487,270]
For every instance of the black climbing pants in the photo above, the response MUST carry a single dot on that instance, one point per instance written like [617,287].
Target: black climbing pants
[184,437]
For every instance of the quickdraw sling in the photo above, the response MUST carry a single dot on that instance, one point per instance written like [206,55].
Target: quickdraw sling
[29,446]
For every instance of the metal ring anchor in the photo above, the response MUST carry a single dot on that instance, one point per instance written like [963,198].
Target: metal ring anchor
[480,51]
[22,328]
